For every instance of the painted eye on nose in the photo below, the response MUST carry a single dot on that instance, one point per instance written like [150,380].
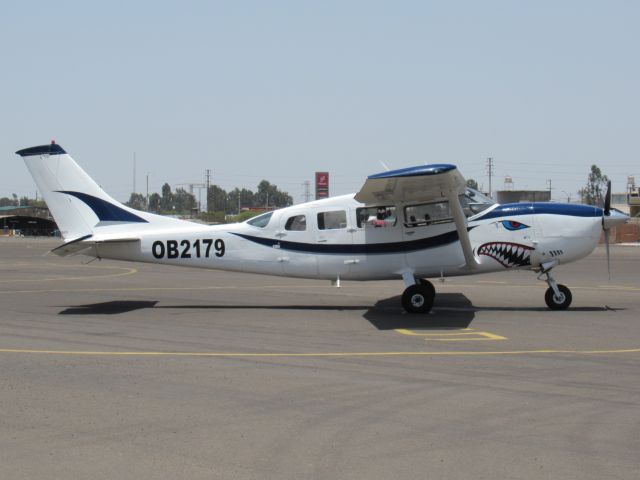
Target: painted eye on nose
[512,225]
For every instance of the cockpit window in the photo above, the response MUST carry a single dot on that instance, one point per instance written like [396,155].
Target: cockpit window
[296,223]
[427,214]
[332,220]
[376,216]
[474,202]
[260,221]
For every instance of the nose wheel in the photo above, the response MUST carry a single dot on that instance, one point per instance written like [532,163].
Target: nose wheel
[557,296]
[559,301]
[419,297]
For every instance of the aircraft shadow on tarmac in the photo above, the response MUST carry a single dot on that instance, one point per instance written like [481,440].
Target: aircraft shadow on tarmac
[450,311]
[386,314]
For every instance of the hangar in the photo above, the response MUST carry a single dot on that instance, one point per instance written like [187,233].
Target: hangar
[28,221]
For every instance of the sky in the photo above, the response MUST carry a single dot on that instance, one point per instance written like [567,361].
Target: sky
[281,89]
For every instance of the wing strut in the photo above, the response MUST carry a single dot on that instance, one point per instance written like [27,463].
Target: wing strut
[461,225]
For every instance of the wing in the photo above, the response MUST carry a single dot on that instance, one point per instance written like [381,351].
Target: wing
[423,184]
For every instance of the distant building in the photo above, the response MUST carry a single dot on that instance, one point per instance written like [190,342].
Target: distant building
[30,221]
[619,201]
[633,200]
[518,196]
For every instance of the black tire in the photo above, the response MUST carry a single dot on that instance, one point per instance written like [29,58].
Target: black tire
[427,284]
[561,303]
[418,298]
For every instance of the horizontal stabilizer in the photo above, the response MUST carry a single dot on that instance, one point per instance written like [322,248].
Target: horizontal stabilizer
[84,244]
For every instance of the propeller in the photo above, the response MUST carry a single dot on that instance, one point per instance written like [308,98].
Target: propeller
[606,211]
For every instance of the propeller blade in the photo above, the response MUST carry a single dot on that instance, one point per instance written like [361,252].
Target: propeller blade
[607,200]
[606,244]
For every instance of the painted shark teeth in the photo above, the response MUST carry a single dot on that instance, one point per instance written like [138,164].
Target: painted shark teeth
[507,254]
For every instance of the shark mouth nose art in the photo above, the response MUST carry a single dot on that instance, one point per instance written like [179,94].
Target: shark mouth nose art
[507,254]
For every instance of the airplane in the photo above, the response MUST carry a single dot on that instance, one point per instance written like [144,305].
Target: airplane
[411,224]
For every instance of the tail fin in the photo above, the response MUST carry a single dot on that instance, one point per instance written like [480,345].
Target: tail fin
[77,203]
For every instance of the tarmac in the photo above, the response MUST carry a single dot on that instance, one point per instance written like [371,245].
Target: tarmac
[120,370]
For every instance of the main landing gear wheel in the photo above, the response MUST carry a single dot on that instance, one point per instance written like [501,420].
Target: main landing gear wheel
[419,298]
[558,302]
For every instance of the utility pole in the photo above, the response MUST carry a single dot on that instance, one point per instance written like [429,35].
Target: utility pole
[147,191]
[199,187]
[307,191]
[549,182]
[207,174]
[490,171]
[134,172]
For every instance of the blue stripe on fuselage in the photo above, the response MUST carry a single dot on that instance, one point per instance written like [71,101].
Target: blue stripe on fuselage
[516,209]
[356,248]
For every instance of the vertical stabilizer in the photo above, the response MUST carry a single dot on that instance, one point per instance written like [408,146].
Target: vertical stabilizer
[76,202]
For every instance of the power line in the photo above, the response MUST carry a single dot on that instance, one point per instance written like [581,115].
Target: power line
[490,171]
[207,174]
[307,191]
[134,172]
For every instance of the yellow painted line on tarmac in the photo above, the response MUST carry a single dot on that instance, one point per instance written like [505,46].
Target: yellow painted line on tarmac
[617,287]
[493,282]
[322,354]
[128,271]
[462,331]
[154,289]
[462,335]
[481,336]
[624,288]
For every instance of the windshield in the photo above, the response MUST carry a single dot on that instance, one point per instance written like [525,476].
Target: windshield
[474,202]
[260,221]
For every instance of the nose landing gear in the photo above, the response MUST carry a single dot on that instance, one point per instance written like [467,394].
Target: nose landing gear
[557,296]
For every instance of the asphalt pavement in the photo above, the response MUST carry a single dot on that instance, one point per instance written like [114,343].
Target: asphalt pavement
[119,370]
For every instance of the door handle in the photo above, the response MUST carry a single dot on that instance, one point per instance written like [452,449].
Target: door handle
[409,233]
[322,240]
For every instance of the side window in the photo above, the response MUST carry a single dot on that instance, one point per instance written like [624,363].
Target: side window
[297,223]
[427,214]
[260,221]
[332,220]
[376,217]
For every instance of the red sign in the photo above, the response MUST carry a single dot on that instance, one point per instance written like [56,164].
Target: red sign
[322,185]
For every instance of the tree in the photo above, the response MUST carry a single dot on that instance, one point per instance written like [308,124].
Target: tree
[31,202]
[166,201]
[137,201]
[217,199]
[596,187]
[471,183]
[183,201]
[9,202]
[154,202]
[268,195]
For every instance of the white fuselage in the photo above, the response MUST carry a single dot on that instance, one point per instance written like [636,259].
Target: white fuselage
[362,251]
